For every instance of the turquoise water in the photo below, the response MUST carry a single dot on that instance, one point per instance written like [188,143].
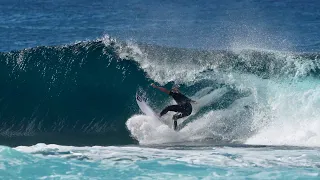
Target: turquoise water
[133,162]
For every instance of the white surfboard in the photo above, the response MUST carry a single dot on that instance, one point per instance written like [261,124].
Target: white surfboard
[144,107]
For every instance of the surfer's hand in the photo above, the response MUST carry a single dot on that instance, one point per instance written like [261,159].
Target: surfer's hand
[153,85]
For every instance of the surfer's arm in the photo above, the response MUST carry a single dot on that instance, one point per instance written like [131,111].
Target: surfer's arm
[161,88]
[192,101]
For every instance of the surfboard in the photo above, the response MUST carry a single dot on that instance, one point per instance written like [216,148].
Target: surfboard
[144,107]
[147,110]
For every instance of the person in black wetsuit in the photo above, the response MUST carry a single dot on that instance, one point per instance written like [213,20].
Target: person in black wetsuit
[183,107]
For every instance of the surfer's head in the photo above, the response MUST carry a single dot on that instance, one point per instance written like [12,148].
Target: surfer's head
[175,88]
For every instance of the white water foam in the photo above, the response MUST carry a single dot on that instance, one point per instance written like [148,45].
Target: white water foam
[216,157]
[295,120]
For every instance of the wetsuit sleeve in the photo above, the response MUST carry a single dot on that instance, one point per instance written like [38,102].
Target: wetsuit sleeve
[187,99]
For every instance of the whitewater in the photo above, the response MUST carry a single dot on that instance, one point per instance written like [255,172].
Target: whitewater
[135,162]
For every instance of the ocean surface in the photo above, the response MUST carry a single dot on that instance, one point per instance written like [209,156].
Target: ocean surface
[69,72]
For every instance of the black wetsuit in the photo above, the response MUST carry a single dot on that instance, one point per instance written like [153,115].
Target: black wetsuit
[183,107]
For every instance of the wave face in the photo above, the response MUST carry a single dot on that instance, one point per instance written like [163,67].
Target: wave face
[68,94]
[83,94]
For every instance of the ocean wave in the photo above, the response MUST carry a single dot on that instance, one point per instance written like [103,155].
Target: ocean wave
[83,93]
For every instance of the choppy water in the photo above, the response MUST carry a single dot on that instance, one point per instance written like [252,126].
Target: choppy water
[132,162]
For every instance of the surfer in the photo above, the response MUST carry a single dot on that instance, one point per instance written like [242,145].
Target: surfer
[183,107]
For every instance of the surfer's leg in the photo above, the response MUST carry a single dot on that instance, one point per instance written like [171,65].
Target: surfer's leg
[184,110]
[178,116]
[175,108]
[175,124]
